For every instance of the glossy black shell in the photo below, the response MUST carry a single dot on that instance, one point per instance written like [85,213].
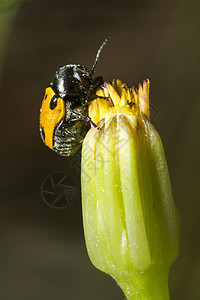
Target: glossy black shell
[74,84]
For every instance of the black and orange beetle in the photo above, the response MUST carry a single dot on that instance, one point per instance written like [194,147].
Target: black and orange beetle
[64,120]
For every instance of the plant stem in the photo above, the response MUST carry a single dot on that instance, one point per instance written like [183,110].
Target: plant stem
[145,286]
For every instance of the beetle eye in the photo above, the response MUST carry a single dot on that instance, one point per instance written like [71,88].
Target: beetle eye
[53,102]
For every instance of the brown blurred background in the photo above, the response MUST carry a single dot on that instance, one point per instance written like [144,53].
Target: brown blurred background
[42,251]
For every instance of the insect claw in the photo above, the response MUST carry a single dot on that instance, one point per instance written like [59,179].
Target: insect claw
[94,124]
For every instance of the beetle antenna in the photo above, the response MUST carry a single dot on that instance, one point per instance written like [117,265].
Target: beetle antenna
[98,55]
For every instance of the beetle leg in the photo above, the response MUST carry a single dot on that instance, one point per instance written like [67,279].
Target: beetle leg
[100,97]
[83,117]
[71,134]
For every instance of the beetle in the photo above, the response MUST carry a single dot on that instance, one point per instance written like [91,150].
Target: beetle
[64,120]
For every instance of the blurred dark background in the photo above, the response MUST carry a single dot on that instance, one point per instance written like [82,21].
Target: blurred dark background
[42,250]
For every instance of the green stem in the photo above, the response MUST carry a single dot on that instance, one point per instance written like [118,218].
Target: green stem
[145,286]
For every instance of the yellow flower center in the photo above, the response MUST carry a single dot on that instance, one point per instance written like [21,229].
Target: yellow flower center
[124,100]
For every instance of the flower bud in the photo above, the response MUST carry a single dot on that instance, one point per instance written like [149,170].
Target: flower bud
[129,217]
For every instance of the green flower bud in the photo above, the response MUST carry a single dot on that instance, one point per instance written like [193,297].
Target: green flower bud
[129,217]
